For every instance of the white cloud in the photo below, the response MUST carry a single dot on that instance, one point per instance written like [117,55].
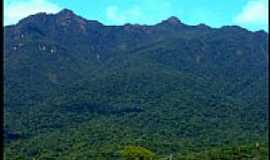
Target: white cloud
[17,10]
[115,15]
[255,12]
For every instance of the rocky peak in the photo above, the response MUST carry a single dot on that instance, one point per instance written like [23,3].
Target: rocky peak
[172,20]
[67,18]
[66,12]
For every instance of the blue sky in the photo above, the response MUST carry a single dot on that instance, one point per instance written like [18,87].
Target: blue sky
[250,14]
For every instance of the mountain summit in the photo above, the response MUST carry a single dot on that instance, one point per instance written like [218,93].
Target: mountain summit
[172,20]
[65,12]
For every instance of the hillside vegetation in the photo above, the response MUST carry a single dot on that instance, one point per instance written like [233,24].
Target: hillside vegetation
[76,89]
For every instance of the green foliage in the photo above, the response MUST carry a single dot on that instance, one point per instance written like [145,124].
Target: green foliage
[243,152]
[137,152]
[187,91]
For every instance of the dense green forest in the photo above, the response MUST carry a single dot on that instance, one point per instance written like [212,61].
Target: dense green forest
[76,89]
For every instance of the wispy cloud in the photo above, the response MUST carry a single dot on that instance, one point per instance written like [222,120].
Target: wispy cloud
[255,12]
[112,13]
[17,10]
[117,16]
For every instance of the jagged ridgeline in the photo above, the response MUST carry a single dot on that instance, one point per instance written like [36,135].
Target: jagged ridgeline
[77,89]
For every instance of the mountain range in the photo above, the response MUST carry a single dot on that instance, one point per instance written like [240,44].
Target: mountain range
[77,89]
